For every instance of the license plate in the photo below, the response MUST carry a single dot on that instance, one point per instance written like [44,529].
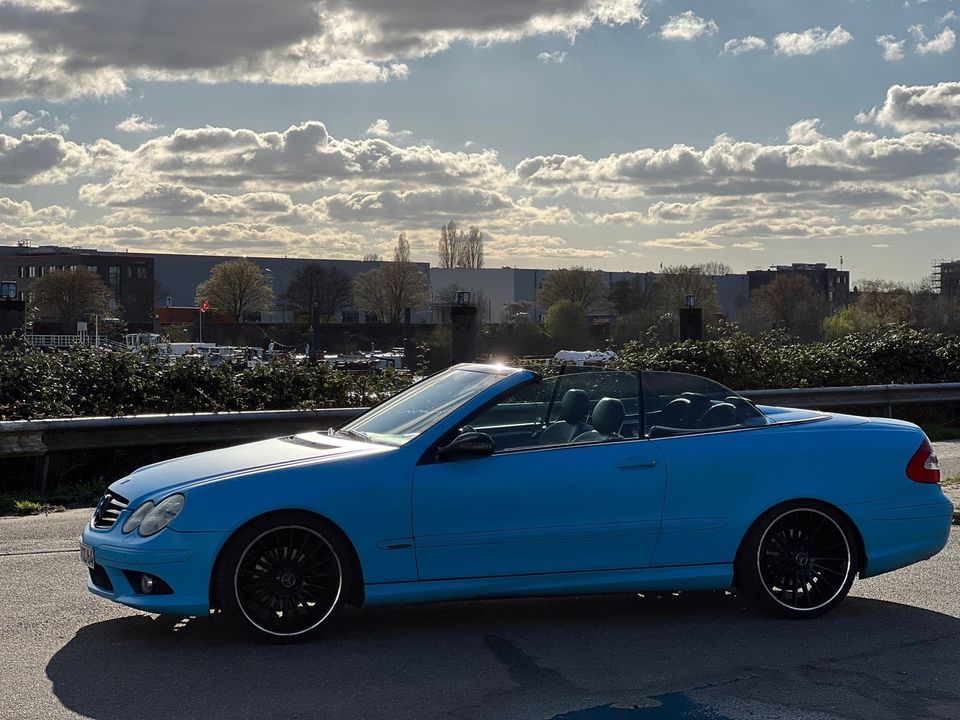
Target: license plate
[87,556]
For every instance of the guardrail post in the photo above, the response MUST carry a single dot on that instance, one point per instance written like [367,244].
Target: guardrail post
[41,474]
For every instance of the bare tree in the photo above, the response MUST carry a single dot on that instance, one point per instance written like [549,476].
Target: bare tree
[458,248]
[676,282]
[449,247]
[70,295]
[714,268]
[789,302]
[579,285]
[394,286]
[887,301]
[471,251]
[315,286]
[370,257]
[236,287]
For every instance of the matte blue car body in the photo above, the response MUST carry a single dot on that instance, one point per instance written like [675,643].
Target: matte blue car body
[643,514]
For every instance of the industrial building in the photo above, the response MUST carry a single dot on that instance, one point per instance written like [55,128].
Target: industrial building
[130,276]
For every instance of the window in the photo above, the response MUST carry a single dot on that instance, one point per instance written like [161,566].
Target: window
[573,408]
[141,272]
[33,271]
[680,404]
[21,272]
[113,278]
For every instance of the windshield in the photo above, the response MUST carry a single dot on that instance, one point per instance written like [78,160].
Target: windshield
[407,415]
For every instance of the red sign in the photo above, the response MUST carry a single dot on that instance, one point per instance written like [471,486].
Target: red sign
[204,306]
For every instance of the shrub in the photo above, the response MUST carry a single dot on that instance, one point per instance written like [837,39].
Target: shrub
[884,355]
[84,382]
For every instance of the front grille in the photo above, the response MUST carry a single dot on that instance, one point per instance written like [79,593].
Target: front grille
[108,510]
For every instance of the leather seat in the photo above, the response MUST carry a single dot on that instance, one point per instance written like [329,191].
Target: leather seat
[607,422]
[720,415]
[573,412]
[675,414]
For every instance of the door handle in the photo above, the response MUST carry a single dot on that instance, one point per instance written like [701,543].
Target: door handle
[636,463]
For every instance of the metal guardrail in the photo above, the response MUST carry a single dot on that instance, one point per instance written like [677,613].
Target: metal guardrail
[857,396]
[42,438]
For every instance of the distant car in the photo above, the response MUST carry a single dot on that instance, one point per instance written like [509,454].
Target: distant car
[489,481]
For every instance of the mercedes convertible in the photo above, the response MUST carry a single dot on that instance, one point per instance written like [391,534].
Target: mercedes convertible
[490,481]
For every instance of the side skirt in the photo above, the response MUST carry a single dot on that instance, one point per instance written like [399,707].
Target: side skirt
[696,577]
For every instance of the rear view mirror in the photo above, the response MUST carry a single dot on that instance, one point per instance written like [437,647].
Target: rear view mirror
[466,446]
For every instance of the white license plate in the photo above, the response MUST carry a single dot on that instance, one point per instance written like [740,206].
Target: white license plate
[87,556]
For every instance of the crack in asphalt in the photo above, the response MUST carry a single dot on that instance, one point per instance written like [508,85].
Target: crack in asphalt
[11,553]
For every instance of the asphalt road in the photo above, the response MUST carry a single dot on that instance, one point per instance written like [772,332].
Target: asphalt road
[889,651]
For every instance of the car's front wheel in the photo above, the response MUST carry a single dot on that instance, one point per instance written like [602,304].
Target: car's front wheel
[282,576]
[798,560]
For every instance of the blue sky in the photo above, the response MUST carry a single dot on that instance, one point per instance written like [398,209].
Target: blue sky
[612,133]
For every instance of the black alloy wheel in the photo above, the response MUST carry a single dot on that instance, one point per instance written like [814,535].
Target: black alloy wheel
[798,561]
[283,577]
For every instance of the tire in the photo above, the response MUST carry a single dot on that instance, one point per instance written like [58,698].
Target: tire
[283,576]
[798,560]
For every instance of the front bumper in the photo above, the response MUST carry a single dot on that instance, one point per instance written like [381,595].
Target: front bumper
[184,561]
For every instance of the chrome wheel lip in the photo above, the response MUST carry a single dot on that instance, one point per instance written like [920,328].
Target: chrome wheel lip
[846,545]
[336,599]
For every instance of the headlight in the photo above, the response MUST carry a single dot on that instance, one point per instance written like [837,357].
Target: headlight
[162,515]
[133,522]
[152,518]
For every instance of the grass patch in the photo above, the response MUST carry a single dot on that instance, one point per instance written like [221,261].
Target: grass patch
[69,496]
[937,432]
[10,505]
[955,480]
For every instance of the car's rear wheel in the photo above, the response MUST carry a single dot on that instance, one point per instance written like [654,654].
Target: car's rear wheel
[798,560]
[283,576]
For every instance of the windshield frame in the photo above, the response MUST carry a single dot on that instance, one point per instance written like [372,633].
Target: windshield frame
[499,373]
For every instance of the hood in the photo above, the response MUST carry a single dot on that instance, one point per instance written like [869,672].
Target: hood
[180,473]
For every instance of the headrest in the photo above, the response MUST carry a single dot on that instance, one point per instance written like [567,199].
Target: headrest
[574,406]
[608,416]
[720,415]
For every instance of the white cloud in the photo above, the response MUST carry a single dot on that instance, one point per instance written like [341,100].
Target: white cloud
[96,47]
[937,45]
[381,128]
[300,156]
[687,26]
[892,47]
[804,132]
[24,119]
[738,46]
[552,57]
[137,124]
[730,167]
[910,108]
[24,212]
[810,42]
[43,158]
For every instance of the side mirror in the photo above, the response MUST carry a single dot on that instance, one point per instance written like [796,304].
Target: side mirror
[466,446]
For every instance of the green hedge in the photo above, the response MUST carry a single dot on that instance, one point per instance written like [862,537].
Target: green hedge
[886,355]
[89,382]
[85,382]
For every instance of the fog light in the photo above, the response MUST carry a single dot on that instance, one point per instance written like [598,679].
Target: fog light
[146,584]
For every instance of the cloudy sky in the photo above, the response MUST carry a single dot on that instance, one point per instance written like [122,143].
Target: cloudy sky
[619,134]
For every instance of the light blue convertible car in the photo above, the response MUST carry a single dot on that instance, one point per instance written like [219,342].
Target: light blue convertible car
[490,481]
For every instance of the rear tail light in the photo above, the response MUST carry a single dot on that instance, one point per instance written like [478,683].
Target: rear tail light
[924,467]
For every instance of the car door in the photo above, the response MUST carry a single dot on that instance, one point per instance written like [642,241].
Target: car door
[571,507]
[717,448]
